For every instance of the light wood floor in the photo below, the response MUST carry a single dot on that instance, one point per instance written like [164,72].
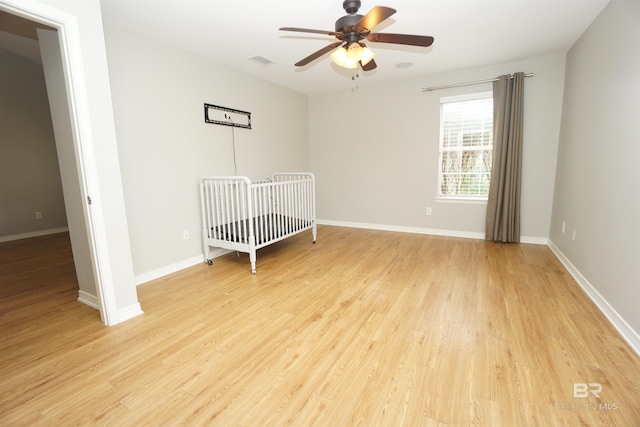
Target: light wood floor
[362,328]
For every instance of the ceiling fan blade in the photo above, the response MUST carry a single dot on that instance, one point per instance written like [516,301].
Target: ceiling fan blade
[371,65]
[407,39]
[374,17]
[307,30]
[317,54]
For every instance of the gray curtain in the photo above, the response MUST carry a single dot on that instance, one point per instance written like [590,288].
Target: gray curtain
[503,205]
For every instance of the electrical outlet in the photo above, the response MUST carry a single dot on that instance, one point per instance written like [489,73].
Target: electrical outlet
[573,235]
[428,212]
[564,224]
[185,234]
[38,215]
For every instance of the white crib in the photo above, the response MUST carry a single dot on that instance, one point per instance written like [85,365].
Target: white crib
[244,216]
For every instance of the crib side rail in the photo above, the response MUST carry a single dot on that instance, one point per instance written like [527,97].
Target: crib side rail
[284,206]
[292,176]
[226,208]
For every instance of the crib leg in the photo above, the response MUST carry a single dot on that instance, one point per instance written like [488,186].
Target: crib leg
[252,254]
[252,258]
[206,255]
[253,267]
[314,231]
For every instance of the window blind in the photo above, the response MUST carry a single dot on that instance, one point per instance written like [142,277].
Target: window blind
[466,147]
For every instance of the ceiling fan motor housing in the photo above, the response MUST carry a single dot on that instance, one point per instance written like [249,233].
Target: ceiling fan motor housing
[345,25]
[351,6]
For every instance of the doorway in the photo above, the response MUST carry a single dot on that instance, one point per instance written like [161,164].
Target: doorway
[83,169]
[41,188]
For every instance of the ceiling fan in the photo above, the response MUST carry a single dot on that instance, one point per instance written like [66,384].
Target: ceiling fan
[351,29]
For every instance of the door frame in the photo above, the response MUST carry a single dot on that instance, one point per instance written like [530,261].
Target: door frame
[71,51]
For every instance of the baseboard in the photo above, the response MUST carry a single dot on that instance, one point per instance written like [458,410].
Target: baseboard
[429,231]
[130,312]
[88,299]
[123,314]
[163,271]
[175,267]
[33,234]
[534,240]
[628,334]
[403,229]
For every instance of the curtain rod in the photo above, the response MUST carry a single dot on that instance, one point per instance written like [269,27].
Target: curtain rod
[429,89]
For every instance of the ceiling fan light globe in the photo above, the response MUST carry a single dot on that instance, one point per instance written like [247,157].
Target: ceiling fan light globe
[367,56]
[351,64]
[340,57]
[354,51]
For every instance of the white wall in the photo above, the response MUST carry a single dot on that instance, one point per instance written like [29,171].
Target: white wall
[29,175]
[165,146]
[375,151]
[597,190]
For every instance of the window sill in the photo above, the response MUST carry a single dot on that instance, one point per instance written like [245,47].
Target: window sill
[460,200]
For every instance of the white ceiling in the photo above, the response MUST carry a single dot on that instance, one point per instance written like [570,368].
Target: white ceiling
[467,34]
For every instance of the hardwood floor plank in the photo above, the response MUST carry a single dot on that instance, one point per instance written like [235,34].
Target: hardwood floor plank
[364,328]
[313,413]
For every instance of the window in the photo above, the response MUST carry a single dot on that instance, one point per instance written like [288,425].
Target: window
[466,146]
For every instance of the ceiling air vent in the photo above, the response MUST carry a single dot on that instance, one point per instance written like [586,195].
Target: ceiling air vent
[262,60]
